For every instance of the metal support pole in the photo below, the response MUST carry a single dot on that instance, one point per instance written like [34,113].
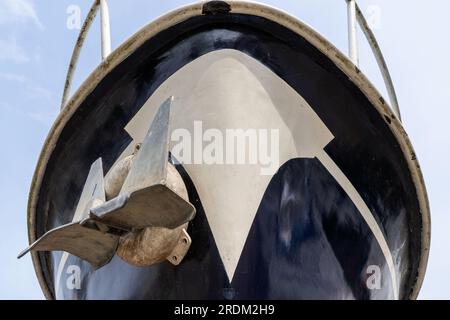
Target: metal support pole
[352,32]
[381,62]
[106,32]
[76,51]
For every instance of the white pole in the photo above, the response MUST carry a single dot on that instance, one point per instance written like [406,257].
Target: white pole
[352,32]
[106,32]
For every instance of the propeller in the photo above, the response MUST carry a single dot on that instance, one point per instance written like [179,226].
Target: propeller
[145,200]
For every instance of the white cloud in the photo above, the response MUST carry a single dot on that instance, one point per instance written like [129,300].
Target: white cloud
[44,107]
[29,88]
[44,117]
[35,102]
[22,11]
[36,92]
[44,113]
[13,77]
[11,51]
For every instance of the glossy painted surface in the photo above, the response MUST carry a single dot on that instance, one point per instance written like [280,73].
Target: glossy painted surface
[307,239]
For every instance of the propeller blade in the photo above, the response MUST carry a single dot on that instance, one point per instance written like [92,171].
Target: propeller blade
[155,206]
[78,238]
[93,193]
[88,244]
[150,165]
[145,200]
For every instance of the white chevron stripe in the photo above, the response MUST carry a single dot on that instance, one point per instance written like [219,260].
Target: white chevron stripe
[358,201]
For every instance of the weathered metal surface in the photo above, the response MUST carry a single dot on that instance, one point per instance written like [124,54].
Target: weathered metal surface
[370,36]
[116,177]
[149,166]
[145,198]
[312,67]
[181,248]
[145,193]
[81,237]
[89,244]
[155,244]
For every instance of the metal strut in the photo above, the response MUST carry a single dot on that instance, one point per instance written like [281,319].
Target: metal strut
[106,43]
[382,65]
[106,30]
[354,16]
[352,32]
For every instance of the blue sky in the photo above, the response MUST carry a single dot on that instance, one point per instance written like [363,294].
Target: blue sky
[35,48]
